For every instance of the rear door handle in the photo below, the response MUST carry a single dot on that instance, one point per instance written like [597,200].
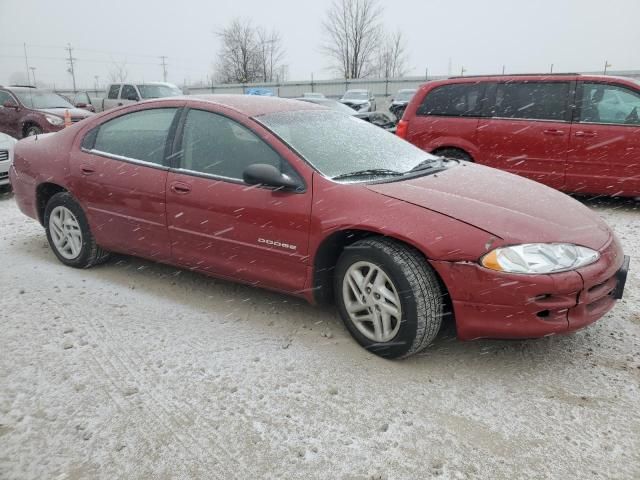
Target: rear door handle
[87,170]
[180,188]
[554,132]
[585,134]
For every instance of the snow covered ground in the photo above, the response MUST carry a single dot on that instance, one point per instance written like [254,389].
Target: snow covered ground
[138,370]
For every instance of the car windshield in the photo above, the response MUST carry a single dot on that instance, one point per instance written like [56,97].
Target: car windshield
[337,144]
[37,100]
[158,91]
[356,96]
[405,95]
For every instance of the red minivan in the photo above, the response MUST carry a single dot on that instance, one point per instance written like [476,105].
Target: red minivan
[576,133]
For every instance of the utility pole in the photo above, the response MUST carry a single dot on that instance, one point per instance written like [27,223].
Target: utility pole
[426,73]
[462,71]
[503,67]
[606,65]
[97,85]
[71,68]
[551,70]
[33,70]
[26,63]
[164,67]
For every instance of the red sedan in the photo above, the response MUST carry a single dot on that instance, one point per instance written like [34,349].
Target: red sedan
[300,199]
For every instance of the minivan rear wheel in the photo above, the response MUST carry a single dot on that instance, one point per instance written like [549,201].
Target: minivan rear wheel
[454,153]
[388,296]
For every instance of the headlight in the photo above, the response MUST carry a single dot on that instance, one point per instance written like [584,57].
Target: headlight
[54,120]
[534,258]
[365,105]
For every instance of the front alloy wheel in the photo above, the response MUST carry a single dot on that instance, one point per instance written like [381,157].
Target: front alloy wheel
[388,296]
[372,301]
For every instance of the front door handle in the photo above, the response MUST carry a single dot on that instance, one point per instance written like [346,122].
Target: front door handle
[180,188]
[554,132]
[586,134]
[87,170]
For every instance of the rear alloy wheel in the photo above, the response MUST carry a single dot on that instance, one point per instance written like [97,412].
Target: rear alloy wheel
[68,233]
[32,130]
[388,296]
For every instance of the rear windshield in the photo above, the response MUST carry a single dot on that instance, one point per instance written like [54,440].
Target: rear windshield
[38,100]
[336,144]
[158,91]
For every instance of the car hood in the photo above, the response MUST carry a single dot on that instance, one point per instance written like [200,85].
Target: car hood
[505,205]
[75,112]
[7,142]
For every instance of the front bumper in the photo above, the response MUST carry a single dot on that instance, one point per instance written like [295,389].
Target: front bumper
[489,304]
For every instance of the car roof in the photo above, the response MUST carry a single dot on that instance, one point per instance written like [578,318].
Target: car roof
[254,105]
[24,89]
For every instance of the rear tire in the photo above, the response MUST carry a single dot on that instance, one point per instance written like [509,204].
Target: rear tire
[69,234]
[388,296]
[455,153]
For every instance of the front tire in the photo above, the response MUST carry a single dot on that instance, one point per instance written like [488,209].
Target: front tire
[69,234]
[388,296]
[32,130]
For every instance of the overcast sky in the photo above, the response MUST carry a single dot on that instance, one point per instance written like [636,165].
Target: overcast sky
[525,36]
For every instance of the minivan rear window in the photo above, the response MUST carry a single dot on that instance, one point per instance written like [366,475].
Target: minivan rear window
[456,100]
[532,100]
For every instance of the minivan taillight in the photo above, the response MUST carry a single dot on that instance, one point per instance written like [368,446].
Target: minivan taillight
[402,129]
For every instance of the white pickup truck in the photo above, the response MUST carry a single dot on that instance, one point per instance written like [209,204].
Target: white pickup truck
[119,94]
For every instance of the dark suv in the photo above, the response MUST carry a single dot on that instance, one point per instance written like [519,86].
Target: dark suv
[26,111]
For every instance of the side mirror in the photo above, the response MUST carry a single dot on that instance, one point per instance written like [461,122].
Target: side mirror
[81,105]
[10,104]
[269,176]
[133,98]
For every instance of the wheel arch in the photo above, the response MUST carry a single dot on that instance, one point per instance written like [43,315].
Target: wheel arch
[466,151]
[329,251]
[44,192]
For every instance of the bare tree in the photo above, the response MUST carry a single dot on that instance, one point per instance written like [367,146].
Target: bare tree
[391,56]
[118,72]
[353,32]
[248,53]
[238,58]
[270,54]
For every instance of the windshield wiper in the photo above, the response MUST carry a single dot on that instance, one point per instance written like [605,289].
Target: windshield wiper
[369,171]
[429,164]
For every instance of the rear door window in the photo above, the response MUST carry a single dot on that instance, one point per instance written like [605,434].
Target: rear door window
[601,103]
[129,93]
[455,100]
[113,92]
[532,100]
[136,136]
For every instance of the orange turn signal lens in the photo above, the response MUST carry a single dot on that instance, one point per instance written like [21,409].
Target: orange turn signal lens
[490,260]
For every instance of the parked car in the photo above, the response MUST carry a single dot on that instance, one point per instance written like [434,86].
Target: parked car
[576,133]
[26,111]
[313,95]
[337,210]
[82,100]
[360,100]
[401,100]
[6,156]
[261,91]
[119,94]
[379,119]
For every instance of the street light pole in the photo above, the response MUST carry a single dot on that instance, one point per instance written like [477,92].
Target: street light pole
[33,71]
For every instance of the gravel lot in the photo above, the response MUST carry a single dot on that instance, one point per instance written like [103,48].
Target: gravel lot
[138,370]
